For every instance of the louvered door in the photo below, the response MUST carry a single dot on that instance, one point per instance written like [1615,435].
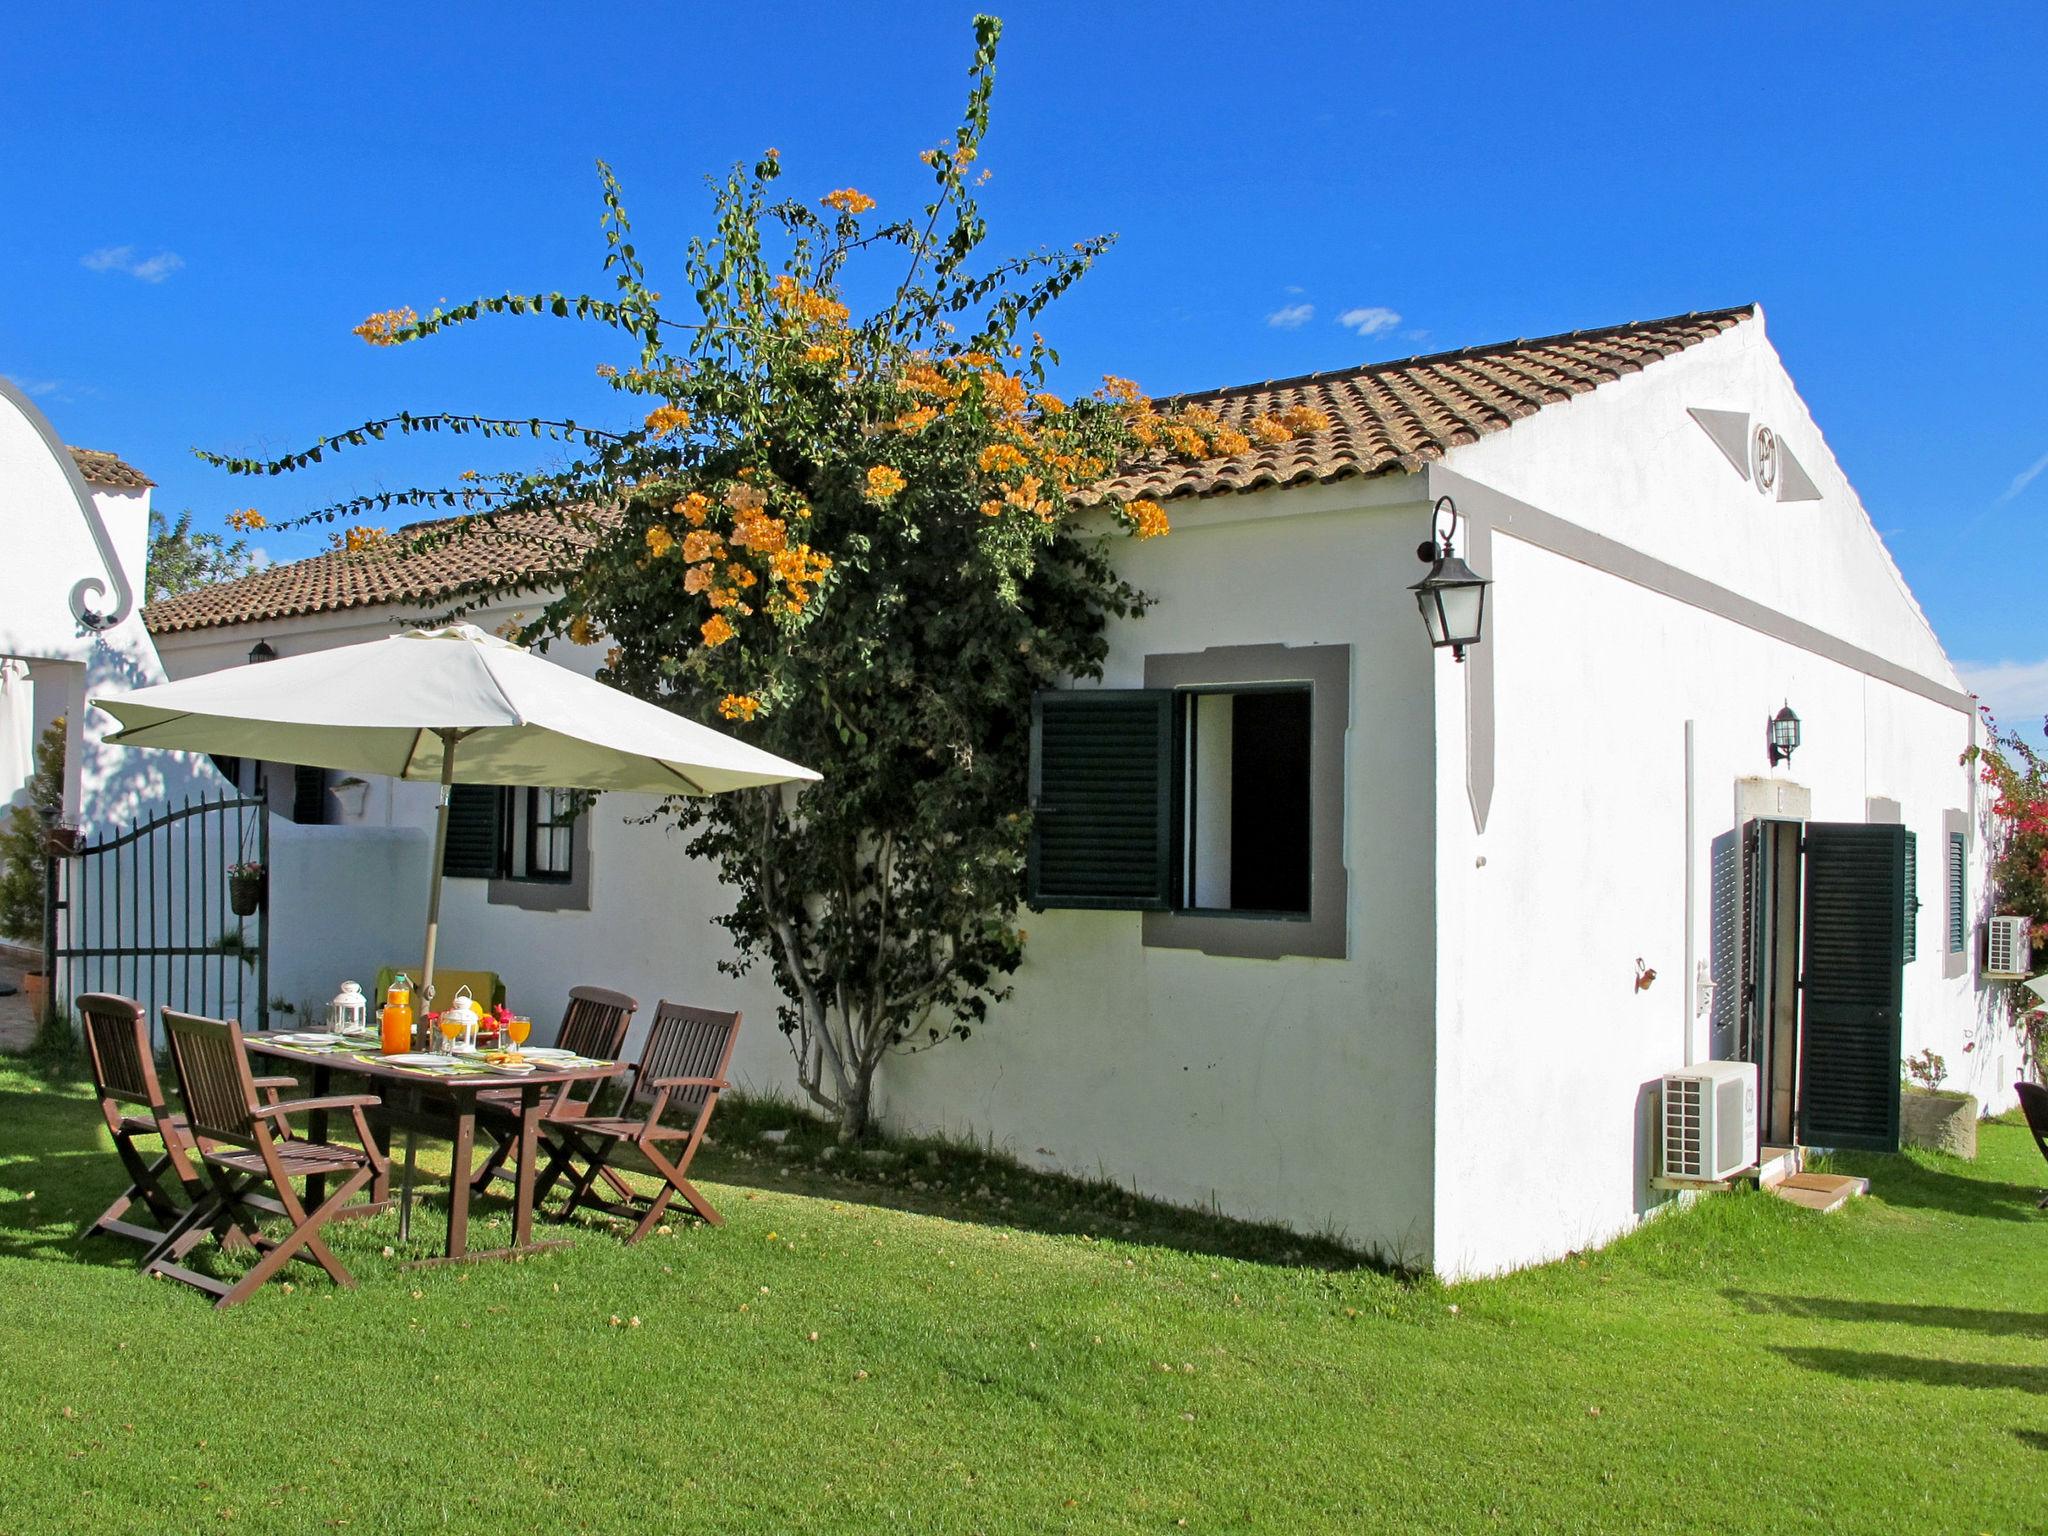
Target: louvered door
[1851,985]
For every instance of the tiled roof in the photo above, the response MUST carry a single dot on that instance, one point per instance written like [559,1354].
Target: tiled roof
[105,469]
[519,551]
[1385,418]
[1395,417]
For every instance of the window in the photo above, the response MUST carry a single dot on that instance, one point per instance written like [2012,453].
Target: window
[1246,818]
[541,842]
[531,844]
[1212,800]
[1958,892]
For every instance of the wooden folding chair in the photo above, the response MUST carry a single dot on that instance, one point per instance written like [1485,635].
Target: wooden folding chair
[131,1099]
[682,1068]
[2034,1104]
[593,1025]
[242,1150]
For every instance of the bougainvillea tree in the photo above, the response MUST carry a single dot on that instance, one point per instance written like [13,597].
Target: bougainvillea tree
[2017,776]
[861,542]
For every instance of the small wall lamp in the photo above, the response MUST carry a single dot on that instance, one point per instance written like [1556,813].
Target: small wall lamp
[1452,596]
[1783,734]
[262,650]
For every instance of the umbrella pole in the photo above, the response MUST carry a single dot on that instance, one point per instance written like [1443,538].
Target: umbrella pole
[448,741]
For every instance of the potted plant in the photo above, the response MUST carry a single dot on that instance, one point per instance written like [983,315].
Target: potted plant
[1929,1116]
[245,888]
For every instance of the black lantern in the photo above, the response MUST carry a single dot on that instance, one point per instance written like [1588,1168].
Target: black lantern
[262,650]
[1784,735]
[1452,596]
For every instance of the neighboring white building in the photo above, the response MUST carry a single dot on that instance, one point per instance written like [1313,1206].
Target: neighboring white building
[1359,939]
[74,536]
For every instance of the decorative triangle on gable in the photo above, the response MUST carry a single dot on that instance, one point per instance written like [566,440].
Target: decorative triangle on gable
[1794,483]
[1730,432]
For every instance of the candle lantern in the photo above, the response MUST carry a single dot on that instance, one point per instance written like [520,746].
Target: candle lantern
[349,1013]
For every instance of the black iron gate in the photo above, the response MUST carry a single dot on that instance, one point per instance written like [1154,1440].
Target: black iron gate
[149,912]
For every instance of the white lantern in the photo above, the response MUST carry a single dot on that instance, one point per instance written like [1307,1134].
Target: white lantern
[462,1008]
[349,1013]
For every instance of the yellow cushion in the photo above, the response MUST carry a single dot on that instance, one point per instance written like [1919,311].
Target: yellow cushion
[485,986]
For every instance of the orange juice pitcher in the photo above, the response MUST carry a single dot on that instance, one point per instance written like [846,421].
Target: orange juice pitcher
[397,1017]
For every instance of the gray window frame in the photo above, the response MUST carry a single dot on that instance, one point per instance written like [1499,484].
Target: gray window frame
[1324,932]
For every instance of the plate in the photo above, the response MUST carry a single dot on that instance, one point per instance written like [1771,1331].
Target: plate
[313,1037]
[547,1053]
[416,1059]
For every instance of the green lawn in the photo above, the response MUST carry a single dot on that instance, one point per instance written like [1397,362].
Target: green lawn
[950,1346]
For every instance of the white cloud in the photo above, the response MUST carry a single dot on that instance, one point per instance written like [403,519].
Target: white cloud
[1291,317]
[2016,692]
[2024,478]
[35,389]
[123,258]
[1369,320]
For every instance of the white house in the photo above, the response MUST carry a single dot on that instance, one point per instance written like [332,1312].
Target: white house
[1340,931]
[74,535]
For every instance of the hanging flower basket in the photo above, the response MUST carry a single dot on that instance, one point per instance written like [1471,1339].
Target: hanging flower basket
[245,889]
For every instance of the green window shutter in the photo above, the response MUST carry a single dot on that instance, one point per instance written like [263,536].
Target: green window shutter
[1102,799]
[1912,887]
[475,817]
[1851,985]
[1958,892]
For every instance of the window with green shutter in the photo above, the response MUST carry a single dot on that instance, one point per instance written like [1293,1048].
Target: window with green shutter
[1103,799]
[1958,893]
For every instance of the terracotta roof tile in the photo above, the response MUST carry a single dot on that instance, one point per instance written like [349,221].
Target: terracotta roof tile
[104,469]
[1384,418]
[512,553]
[1395,417]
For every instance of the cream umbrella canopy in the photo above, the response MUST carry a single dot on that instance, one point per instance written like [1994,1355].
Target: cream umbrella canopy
[453,705]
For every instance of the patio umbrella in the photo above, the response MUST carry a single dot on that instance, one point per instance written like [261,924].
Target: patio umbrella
[457,705]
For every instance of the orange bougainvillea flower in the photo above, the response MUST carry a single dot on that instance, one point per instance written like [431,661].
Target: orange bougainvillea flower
[382,328]
[884,482]
[248,520]
[739,706]
[659,542]
[583,631]
[848,200]
[694,508]
[1148,519]
[702,544]
[717,630]
[665,419]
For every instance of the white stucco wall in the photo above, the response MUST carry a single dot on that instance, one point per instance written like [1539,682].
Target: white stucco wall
[1296,1090]
[46,549]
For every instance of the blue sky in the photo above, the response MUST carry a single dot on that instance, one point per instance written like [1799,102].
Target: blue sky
[201,201]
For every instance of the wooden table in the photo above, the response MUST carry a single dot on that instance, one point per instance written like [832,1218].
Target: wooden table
[445,1103]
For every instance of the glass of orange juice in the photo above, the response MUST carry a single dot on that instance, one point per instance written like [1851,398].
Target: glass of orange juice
[518,1027]
[451,1028]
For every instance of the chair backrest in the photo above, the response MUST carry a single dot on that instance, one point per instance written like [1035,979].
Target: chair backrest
[683,1042]
[2034,1104]
[117,1040]
[213,1077]
[595,1022]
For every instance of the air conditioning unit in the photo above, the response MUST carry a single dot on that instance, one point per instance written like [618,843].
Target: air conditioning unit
[1710,1120]
[2005,949]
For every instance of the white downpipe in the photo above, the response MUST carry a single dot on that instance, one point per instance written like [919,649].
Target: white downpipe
[1686,986]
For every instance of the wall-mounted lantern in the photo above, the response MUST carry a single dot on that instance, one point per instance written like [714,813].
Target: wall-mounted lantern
[262,650]
[1452,596]
[1784,735]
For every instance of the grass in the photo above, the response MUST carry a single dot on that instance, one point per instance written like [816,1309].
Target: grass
[951,1344]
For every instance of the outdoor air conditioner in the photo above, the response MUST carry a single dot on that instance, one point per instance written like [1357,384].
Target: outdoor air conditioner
[2005,949]
[1710,1120]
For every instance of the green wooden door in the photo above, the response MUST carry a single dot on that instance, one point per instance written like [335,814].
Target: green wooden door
[1851,977]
